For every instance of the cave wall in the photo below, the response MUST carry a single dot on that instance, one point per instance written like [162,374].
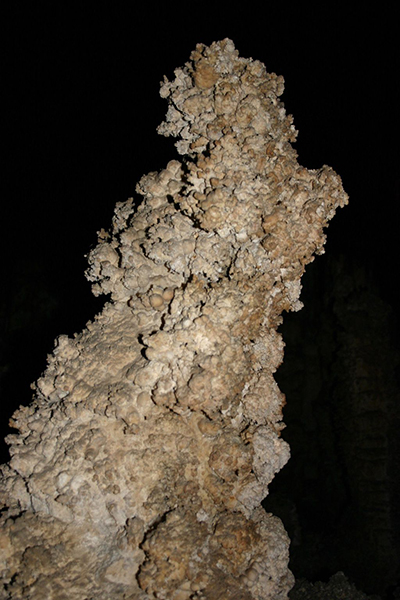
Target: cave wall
[339,494]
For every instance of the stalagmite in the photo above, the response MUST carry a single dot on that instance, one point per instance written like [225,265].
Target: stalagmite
[139,468]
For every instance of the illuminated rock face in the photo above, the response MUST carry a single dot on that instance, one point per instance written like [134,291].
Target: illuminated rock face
[139,469]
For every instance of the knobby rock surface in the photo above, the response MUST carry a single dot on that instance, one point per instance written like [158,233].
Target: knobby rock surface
[138,470]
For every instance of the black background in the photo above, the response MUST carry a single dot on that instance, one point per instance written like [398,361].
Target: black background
[80,107]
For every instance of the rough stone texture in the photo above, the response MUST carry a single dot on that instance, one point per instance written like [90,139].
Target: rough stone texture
[139,468]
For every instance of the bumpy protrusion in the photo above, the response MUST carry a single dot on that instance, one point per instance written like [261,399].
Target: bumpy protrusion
[139,469]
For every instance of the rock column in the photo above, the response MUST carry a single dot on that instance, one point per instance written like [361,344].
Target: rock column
[139,468]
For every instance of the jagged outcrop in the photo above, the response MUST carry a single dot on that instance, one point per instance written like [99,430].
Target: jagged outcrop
[139,468]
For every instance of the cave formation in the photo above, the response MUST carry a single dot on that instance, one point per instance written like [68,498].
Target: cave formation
[140,467]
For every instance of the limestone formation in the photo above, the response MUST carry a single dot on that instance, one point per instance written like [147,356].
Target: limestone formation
[139,468]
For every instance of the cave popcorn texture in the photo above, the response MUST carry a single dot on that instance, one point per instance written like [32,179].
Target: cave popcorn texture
[139,468]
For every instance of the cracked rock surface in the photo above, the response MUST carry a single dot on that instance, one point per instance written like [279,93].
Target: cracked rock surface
[138,470]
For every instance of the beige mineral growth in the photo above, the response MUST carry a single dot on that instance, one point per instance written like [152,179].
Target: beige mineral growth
[139,468]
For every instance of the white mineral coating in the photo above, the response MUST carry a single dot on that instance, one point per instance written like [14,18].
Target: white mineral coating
[139,468]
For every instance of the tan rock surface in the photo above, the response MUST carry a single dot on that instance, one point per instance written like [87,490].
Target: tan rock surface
[139,468]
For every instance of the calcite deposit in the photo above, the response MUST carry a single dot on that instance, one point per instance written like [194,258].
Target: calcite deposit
[139,468]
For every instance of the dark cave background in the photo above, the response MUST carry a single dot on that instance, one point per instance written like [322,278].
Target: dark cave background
[79,117]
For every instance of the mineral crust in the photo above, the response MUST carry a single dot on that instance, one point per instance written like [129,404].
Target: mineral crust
[139,468]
